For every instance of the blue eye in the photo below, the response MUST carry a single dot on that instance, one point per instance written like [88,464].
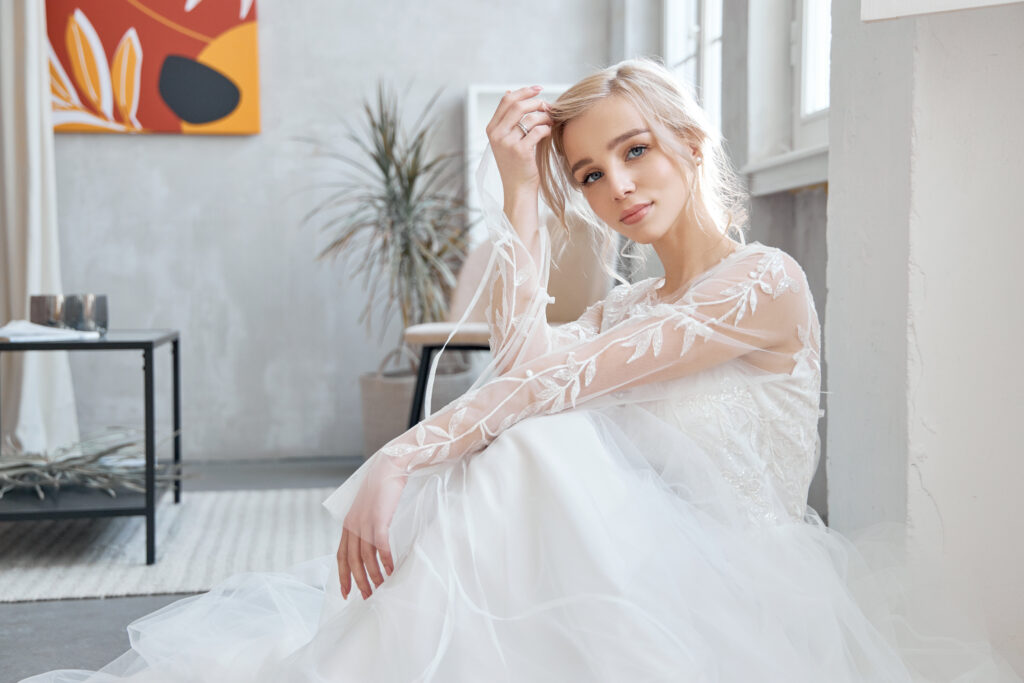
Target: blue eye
[636,151]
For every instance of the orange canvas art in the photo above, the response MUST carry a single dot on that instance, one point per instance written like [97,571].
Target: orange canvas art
[154,66]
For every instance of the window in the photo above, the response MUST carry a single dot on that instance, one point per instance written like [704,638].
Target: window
[811,34]
[693,49]
[815,58]
[788,65]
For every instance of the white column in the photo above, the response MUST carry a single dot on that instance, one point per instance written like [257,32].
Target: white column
[868,240]
[924,311]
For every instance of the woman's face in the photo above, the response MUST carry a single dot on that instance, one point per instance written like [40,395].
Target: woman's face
[631,183]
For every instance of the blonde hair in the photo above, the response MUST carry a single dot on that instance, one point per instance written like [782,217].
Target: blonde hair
[676,121]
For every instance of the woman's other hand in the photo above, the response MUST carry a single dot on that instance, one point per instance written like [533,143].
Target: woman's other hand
[519,123]
[366,526]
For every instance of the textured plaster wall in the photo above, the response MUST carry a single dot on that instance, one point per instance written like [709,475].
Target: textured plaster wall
[923,311]
[965,392]
[201,233]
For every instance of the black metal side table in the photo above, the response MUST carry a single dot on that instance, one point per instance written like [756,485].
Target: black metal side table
[74,503]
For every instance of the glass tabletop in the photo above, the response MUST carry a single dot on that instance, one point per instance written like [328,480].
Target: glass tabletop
[113,339]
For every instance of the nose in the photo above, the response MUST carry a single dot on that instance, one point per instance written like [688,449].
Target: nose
[622,184]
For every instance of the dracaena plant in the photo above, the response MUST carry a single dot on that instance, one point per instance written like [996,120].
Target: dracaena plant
[393,211]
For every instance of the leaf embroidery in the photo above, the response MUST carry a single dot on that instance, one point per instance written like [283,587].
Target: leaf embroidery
[456,420]
[641,343]
[437,431]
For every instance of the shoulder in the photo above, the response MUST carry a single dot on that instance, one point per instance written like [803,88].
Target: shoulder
[769,269]
[759,285]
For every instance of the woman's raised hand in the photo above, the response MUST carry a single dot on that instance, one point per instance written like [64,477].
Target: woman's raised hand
[519,123]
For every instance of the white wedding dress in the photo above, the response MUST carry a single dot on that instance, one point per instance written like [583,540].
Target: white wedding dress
[619,499]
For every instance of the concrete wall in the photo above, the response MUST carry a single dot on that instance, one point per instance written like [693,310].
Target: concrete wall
[201,233]
[923,303]
[965,393]
[868,210]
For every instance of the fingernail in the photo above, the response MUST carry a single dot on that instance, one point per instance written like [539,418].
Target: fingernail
[537,87]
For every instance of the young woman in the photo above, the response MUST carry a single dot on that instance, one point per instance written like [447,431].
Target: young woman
[618,499]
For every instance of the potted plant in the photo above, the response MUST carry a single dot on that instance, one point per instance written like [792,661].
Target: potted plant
[396,217]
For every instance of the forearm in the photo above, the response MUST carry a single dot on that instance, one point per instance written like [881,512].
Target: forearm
[518,297]
[461,428]
[522,211]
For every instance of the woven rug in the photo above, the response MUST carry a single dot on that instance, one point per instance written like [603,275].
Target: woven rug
[209,536]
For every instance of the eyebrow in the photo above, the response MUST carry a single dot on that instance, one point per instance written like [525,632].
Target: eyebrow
[611,145]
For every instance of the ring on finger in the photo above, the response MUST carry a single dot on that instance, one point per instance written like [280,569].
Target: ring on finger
[522,127]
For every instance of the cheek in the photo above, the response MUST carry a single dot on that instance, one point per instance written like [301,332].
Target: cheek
[597,204]
[664,172]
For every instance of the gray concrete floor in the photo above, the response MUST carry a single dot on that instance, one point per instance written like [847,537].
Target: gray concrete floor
[86,634]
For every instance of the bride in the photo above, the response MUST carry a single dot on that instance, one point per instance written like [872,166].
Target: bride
[618,499]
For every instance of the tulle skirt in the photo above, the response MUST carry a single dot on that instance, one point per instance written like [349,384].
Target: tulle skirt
[593,545]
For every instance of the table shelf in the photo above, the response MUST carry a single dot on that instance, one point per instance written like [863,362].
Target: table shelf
[73,502]
[77,501]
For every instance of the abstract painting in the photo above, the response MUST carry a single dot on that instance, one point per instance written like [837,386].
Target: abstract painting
[154,66]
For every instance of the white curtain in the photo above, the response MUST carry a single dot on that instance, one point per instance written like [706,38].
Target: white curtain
[38,404]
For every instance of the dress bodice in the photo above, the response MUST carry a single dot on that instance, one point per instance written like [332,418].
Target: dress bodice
[760,429]
[762,434]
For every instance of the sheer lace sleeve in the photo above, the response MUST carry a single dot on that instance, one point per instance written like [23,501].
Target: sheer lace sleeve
[753,306]
[517,315]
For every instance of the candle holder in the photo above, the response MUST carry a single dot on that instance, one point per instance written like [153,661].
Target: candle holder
[84,312]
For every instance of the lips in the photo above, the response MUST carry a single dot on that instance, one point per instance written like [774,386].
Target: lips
[634,213]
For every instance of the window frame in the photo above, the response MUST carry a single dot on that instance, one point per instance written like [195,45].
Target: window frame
[810,130]
[787,150]
[697,48]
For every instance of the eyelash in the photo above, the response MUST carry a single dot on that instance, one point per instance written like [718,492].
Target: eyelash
[643,149]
